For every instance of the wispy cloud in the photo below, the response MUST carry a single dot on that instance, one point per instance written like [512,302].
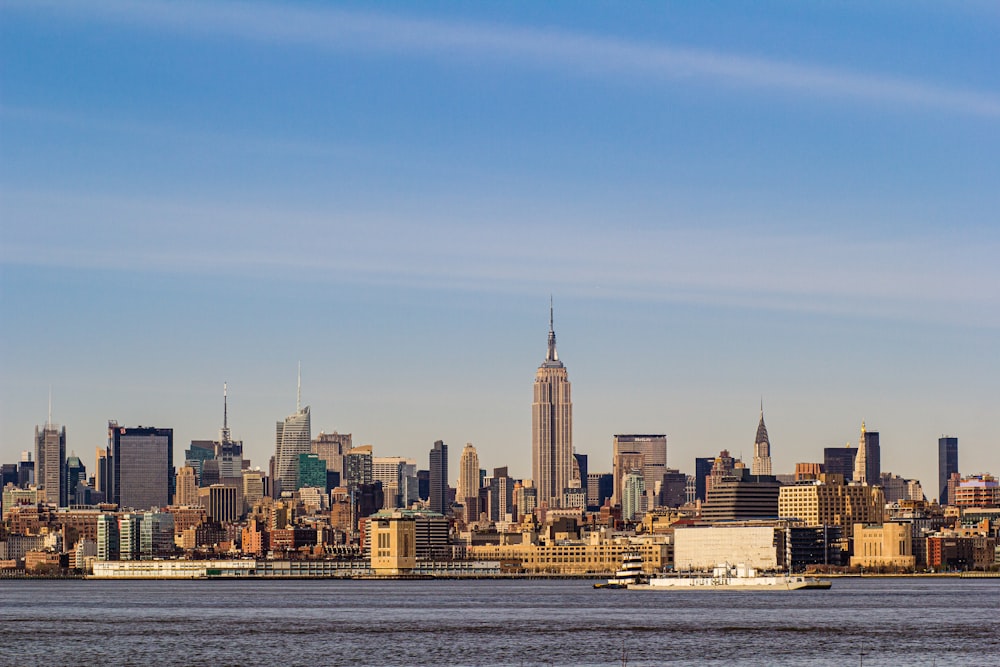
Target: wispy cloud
[579,53]
[922,279]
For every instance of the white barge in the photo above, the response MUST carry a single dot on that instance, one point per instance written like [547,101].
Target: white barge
[729,578]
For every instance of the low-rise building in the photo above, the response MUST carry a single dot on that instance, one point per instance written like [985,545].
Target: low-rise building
[884,546]
[595,555]
[393,542]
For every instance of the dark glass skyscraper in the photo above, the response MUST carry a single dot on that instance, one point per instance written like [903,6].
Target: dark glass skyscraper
[439,477]
[839,461]
[947,464]
[702,469]
[142,466]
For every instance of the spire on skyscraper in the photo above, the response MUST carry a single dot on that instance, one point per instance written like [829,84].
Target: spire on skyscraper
[552,356]
[762,429]
[762,448]
[225,436]
[298,395]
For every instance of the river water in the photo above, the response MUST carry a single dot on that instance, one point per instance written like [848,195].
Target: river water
[520,622]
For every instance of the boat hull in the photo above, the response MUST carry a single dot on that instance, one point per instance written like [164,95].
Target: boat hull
[702,584]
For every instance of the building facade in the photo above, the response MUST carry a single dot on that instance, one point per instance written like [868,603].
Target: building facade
[829,501]
[702,548]
[888,545]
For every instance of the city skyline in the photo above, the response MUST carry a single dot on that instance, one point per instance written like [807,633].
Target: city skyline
[791,201]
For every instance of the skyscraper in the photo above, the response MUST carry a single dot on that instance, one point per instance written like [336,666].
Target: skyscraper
[947,464]
[761,449]
[76,472]
[50,463]
[439,477]
[840,461]
[651,465]
[702,469]
[331,447]
[551,427]
[142,466]
[186,487]
[292,437]
[868,464]
[468,482]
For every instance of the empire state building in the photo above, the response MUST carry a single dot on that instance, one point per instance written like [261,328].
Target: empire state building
[551,427]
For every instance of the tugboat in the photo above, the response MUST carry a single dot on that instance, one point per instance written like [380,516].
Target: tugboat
[629,573]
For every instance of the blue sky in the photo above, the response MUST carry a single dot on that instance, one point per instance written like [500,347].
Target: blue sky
[728,201]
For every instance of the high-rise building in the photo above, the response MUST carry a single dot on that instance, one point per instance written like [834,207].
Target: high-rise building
[108,537]
[312,472]
[673,488]
[702,469]
[76,472]
[187,487]
[50,464]
[551,426]
[840,461]
[947,465]
[142,466]
[633,496]
[468,482]
[722,467]
[525,499]
[253,488]
[358,467]
[501,495]
[228,452]
[623,464]
[156,535]
[396,474]
[222,502]
[740,496]
[129,535]
[8,474]
[439,477]
[292,437]
[600,488]
[331,447]
[761,464]
[868,464]
[651,466]
[579,477]
[102,473]
[829,501]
